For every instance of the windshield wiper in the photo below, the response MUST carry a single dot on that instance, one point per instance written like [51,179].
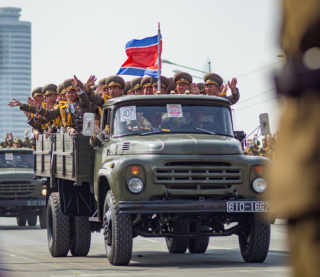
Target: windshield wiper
[212,133]
[149,133]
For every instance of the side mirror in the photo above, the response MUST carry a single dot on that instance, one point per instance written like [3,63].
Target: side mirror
[264,124]
[88,124]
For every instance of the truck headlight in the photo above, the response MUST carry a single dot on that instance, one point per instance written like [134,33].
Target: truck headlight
[259,185]
[135,185]
[44,192]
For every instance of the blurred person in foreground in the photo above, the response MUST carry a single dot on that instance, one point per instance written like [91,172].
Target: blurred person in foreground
[295,189]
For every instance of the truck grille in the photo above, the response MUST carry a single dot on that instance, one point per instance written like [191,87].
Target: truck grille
[14,189]
[214,174]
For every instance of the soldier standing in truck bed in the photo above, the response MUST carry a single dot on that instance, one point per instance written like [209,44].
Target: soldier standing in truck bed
[136,86]
[164,84]
[214,86]
[71,114]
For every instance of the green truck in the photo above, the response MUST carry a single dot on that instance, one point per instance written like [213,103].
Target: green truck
[164,166]
[21,194]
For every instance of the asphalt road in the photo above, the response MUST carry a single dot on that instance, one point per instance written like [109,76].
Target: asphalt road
[24,253]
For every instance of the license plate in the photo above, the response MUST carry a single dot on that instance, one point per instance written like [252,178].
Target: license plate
[36,202]
[248,206]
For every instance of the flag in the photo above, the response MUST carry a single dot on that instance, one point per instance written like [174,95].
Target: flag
[142,57]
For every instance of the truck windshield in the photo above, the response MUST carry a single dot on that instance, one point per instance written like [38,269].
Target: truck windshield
[19,160]
[173,118]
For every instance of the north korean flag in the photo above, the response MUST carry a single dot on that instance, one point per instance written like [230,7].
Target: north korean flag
[142,57]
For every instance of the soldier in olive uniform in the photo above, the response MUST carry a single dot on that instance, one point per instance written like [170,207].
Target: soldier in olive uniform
[183,81]
[16,143]
[62,93]
[146,85]
[136,86]
[127,89]
[164,84]
[214,86]
[201,88]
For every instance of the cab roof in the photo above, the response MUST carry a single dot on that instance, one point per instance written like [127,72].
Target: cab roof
[167,98]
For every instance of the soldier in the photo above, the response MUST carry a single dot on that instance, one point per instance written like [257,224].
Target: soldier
[164,84]
[136,86]
[17,143]
[183,80]
[71,114]
[264,150]
[146,85]
[62,93]
[201,88]
[214,86]
[115,85]
[127,89]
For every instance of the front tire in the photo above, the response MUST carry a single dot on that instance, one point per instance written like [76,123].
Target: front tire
[58,231]
[200,244]
[178,244]
[117,232]
[81,236]
[254,243]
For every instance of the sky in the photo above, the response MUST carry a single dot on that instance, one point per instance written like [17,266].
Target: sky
[239,37]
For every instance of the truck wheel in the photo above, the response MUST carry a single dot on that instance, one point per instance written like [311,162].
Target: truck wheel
[200,244]
[80,236]
[117,232]
[58,231]
[178,244]
[32,220]
[43,218]
[21,220]
[254,244]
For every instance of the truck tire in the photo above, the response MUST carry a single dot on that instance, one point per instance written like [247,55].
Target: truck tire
[21,220]
[43,218]
[117,232]
[80,236]
[32,220]
[58,231]
[200,244]
[178,244]
[254,244]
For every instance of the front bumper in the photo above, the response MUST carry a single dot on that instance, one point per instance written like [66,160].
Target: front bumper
[179,206]
[23,203]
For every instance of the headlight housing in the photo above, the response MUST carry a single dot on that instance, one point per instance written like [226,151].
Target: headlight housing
[135,185]
[259,185]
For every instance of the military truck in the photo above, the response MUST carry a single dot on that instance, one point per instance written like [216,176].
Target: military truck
[164,166]
[21,195]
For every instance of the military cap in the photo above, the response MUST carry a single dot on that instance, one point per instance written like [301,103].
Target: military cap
[49,89]
[127,87]
[67,84]
[164,81]
[102,82]
[171,87]
[60,89]
[182,77]
[146,81]
[115,81]
[17,140]
[201,87]
[212,78]
[3,144]
[37,92]
[136,83]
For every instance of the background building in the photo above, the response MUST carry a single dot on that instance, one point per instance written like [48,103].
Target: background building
[15,70]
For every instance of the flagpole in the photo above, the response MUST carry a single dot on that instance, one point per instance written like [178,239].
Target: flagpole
[159,59]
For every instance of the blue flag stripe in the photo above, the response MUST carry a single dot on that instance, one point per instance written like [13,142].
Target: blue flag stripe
[142,42]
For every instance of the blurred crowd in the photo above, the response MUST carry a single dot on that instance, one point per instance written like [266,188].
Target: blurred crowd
[264,149]
[16,142]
